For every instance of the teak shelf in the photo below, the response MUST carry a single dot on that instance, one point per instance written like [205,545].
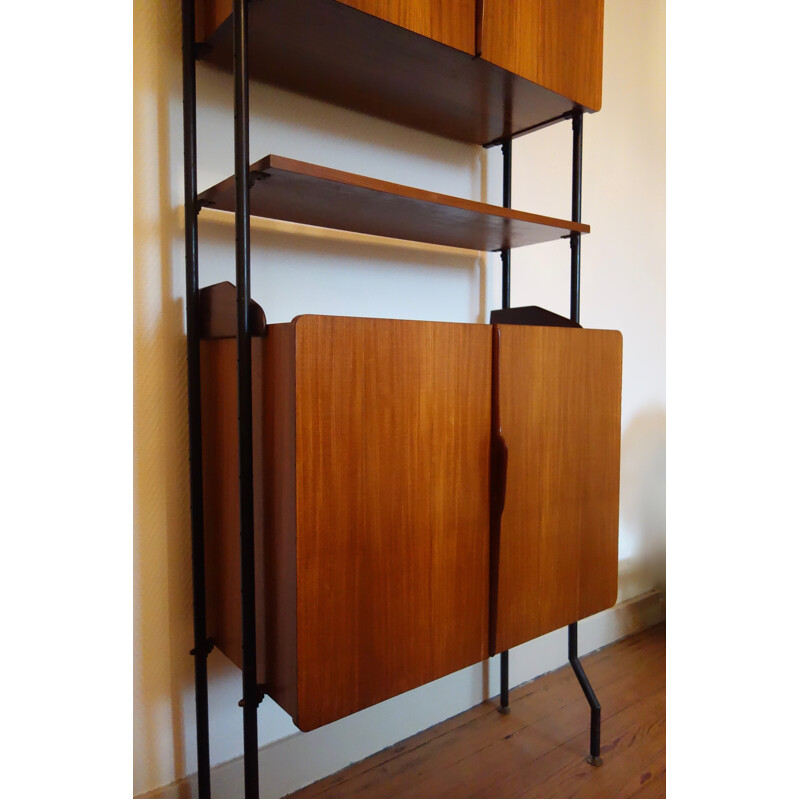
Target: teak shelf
[295,191]
[385,501]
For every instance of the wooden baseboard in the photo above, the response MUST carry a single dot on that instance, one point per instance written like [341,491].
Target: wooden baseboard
[288,764]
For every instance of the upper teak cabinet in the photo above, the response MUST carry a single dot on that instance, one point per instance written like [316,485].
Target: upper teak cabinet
[451,22]
[477,71]
[557,44]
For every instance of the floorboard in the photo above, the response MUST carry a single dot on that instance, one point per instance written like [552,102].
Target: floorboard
[539,749]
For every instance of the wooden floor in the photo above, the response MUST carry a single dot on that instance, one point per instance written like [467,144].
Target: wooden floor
[539,749]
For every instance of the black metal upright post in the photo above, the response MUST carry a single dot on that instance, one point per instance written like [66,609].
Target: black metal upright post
[575,312]
[505,256]
[575,238]
[202,645]
[505,253]
[250,689]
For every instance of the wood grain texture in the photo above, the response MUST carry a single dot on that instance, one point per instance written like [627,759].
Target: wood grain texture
[371,465]
[558,399]
[538,750]
[392,507]
[307,193]
[327,50]
[451,22]
[556,44]
[277,487]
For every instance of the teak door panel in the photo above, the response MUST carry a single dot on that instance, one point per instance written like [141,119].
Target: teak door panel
[372,471]
[557,396]
[555,43]
[451,22]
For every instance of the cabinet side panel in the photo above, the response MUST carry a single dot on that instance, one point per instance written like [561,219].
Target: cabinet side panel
[600,539]
[451,22]
[221,494]
[273,524]
[559,406]
[393,427]
[280,552]
[209,15]
[555,43]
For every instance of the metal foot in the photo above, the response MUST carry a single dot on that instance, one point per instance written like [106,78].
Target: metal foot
[594,734]
[504,707]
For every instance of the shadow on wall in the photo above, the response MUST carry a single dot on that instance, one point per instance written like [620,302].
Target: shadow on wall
[642,506]
[302,266]
[162,587]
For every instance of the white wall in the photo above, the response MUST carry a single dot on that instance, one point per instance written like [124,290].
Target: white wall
[298,270]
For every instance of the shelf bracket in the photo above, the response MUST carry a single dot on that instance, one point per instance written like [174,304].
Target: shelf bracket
[203,651]
[259,697]
[256,175]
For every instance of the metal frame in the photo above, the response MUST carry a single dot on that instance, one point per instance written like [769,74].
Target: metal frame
[574,312]
[202,645]
[251,691]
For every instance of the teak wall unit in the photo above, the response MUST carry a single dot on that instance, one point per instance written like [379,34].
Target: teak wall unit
[500,444]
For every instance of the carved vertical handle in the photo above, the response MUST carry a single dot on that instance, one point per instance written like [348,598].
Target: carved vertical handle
[498,477]
[498,471]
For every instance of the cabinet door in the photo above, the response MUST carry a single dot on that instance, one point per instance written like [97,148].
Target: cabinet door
[451,22]
[392,501]
[555,43]
[557,402]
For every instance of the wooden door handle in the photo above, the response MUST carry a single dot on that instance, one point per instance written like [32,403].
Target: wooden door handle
[499,471]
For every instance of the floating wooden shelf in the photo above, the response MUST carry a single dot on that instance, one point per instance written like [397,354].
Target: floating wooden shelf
[332,52]
[298,192]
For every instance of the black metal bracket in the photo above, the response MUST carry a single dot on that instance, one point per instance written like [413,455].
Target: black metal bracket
[537,127]
[255,176]
[594,734]
[203,651]
[259,697]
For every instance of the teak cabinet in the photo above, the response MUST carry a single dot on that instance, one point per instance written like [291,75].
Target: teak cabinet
[553,43]
[371,444]
[451,22]
[373,488]
[474,70]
